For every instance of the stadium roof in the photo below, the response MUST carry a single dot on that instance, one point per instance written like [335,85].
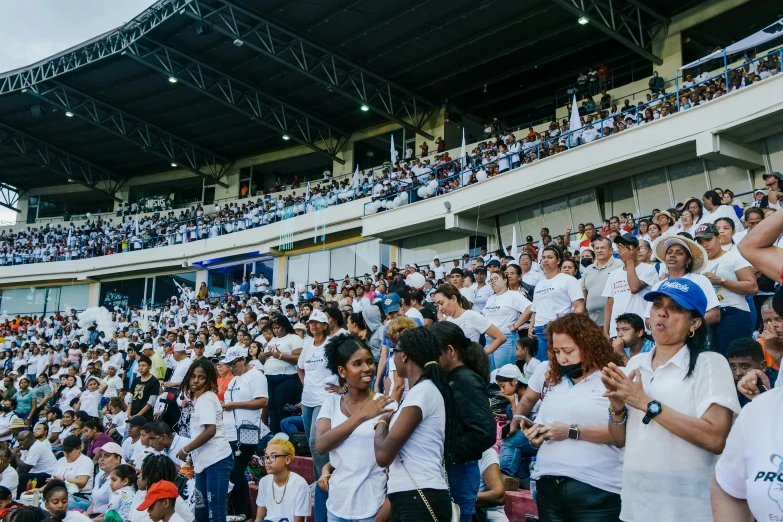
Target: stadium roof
[201,83]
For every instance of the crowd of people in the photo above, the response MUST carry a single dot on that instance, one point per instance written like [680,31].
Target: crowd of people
[603,369]
[391,185]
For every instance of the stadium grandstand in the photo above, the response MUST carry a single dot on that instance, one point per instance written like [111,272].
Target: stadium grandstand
[212,165]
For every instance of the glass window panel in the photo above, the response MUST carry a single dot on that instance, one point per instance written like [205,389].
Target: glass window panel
[687,179]
[123,292]
[319,266]
[583,207]
[775,151]
[530,221]
[368,253]
[298,269]
[23,301]
[76,297]
[343,261]
[653,191]
[508,220]
[557,217]
[52,299]
[423,249]
[729,177]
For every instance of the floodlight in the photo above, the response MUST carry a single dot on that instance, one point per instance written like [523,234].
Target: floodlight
[583,20]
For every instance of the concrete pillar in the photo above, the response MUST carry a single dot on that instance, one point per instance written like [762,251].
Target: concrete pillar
[94,297]
[279,269]
[202,276]
[669,49]
[346,154]
[435,125]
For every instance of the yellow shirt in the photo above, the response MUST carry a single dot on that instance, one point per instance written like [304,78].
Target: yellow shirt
[158,366]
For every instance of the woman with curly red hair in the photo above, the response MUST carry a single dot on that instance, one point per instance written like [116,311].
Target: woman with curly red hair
[578,469]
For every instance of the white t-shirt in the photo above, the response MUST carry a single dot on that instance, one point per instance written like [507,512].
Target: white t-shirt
[704,284]
[313,361]
[665,477]
[113,386]
[248,386]
[180,370]
[10,479]
[206,411]
[554,298]
[504,310]
[5,422]
[750,467]
[101,492]
[473,324]
[357,488]
[488,458]
[584,404]
[723,211]
[726,267]
[295,502]
[41,458]
[530,368]
[79,467]
[89,402]
[480,297]
[624,301]
[423,452]
[286,345]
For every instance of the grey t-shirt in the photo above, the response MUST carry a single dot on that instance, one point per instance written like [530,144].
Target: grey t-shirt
[594,280]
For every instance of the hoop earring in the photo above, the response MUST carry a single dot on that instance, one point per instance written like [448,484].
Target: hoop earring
[691,333]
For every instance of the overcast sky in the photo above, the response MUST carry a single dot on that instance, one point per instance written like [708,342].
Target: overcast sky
[31,30]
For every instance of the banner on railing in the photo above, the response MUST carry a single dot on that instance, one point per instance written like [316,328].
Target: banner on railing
[287,228]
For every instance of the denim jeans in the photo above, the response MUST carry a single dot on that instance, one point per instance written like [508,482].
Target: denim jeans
[319,504]
[734,324]
[292,425]
[542,354]
[563,499]
[515,454]
[506,352]
[464,482]
[332,518]
[212,482]
[310,421]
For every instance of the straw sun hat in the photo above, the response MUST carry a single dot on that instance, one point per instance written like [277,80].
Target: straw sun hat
[699,255]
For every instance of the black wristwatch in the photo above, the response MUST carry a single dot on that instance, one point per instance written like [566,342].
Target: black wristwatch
[573,432]
[653,409]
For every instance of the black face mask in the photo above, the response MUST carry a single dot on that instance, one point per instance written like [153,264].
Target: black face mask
[572,371]
[586,262]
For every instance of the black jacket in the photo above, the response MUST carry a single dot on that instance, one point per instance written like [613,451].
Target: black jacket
[479,430]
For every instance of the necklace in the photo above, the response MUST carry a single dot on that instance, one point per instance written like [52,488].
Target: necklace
[360,406]
[285,487]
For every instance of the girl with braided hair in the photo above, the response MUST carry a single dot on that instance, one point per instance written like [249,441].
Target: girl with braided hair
[421,437]
[154,469]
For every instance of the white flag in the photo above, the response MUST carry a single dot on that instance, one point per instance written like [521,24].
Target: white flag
[70,232]
[356,178]
[464,151]
[137,226]
[307,196]
[514,244]
[576,123]
[393,152]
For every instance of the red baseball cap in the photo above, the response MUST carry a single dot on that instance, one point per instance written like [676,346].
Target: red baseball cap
[158,491]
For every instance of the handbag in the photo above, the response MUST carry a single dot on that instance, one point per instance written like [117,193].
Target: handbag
[248,433]
[455,511]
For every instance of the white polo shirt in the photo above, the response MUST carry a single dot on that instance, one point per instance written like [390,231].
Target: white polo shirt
[583,403]
[665,477]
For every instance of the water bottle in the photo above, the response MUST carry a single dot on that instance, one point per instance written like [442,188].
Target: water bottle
[532,480]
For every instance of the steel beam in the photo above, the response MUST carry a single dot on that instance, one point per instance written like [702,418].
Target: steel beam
[260,107]
[9,196]
[68,166]
[336,73]
[326,18]
[96,49]
[151,139]
[625,28]
[650,11]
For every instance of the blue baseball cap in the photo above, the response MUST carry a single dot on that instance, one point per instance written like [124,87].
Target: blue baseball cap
[391,303]
[684,292]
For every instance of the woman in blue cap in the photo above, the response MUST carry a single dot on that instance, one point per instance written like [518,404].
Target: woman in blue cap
[671,408]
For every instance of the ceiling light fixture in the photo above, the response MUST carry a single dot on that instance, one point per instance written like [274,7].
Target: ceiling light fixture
[286,137]
[365,107]
[172,79]
[173,164]
[69,114]
[583,20]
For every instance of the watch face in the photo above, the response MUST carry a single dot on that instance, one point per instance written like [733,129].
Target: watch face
[655,408]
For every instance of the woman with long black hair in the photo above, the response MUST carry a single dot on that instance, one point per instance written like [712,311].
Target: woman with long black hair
[208,448]
[281,357]
[671,409]
[467,368]
[356,484]
[416,441]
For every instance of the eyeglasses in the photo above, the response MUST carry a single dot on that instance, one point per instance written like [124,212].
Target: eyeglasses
[269,458]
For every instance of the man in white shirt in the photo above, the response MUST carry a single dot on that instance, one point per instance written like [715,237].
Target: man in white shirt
[34,459]
[360,302]
[625,288]
[714,210]
[165,442]
[440,270]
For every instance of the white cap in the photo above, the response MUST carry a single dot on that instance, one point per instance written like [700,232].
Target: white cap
[180,347]
[318,316]
[301,326]
[511,371]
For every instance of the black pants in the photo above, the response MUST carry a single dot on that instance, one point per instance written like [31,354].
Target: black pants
[240,494]
[283,389]
[24,478]
[407,506]
[563,499]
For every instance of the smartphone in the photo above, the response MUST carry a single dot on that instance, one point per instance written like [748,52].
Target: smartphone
[760,386]
[524,420]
